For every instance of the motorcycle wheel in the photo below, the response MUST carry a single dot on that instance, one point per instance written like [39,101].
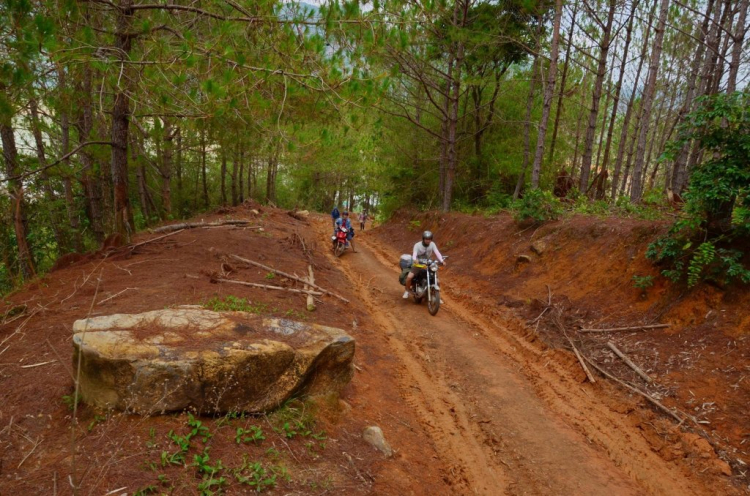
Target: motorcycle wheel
[433,303]
[339,249]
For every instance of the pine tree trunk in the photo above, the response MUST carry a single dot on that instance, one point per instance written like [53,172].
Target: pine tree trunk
[603,128]
[178,170]
[738,39]
[271,171]
[648,100]
[123,214]
[241,181]
[618,88]
[223,175]
[581,106]
[588,148]
[17,204]
[251,177]
[70,206]
[140,176]
[49,194]
[679,169]
[203,168]
[623,145]
[234,176]
[527,128]
[721,57]
[166,169]
[548,93]
[652,141]
[563,78]
[88,177]
[714,38]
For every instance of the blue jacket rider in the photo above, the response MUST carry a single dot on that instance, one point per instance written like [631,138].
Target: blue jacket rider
[346,222]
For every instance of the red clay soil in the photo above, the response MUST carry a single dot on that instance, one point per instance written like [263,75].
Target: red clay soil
[700,364]
[472,400]
[114,451]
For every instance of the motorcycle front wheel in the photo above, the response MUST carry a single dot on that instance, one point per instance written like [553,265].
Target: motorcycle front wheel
[433,303]
[338,250]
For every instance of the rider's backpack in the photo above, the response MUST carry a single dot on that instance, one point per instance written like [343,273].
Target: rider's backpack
[405,262]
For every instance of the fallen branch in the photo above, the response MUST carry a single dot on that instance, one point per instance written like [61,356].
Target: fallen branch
[19,328]
[62,362]
[580,360]
[629,362]
[288,276]
[29,453]
[114,296]
[133,247]
[193,225]
[37,364]
[575,350]
[650,398]
[265,286]
[633,328]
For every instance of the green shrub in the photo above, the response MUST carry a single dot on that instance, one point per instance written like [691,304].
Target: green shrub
[537,205]
[643,282]
[702,244]
[234,304]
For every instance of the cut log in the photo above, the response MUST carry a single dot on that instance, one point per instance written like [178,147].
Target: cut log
[311,280]
[193,225]
[629,362]
[632,328]
[276,288]
[288,276]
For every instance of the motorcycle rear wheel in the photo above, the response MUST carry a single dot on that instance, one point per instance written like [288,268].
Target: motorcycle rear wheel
[433,302]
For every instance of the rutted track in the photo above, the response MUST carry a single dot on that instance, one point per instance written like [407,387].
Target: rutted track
[499,412]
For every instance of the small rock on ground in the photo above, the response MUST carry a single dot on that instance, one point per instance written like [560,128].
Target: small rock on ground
[374,435]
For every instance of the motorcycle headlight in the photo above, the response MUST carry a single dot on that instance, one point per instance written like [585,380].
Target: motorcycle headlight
[433,267]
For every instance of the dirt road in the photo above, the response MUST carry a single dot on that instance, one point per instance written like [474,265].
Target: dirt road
[501,416]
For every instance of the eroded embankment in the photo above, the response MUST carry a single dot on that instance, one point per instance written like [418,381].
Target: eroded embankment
[578,273]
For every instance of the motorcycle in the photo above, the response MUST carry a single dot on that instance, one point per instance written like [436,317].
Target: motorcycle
[339,241]
[425,284]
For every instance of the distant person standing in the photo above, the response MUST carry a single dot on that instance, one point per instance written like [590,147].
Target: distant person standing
[335,214]
[362,220]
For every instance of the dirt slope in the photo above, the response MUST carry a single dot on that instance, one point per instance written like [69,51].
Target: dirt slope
[586,265]
[469,404]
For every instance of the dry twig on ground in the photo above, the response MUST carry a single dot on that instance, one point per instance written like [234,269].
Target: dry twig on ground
[265,286]
[650,398]
[632,328]
[133,247]
[629,362]
[288,276]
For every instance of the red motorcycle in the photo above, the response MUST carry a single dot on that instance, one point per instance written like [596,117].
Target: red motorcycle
[340,243]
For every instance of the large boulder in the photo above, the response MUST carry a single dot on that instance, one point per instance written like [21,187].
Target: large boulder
[189,357]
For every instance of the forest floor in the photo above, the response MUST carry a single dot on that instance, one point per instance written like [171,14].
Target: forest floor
[474,400]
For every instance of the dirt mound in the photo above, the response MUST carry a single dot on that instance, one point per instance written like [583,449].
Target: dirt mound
[578,273]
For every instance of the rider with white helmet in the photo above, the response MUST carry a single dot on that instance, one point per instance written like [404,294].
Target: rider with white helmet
[422,250]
